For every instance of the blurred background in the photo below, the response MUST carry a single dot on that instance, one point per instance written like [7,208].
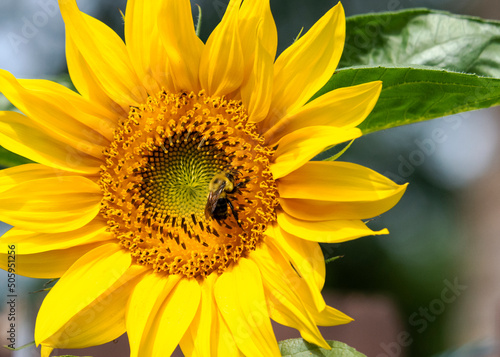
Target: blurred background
[431,287]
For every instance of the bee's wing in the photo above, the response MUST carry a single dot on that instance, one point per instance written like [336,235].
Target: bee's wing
[211,203]
[213,197]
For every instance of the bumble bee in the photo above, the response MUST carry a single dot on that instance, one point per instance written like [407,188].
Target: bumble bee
[218,201]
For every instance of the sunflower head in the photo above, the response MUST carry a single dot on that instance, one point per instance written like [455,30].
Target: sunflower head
[158,198]
[174,193]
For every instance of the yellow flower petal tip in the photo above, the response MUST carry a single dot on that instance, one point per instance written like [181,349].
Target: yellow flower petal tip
[46,351]
[171,193]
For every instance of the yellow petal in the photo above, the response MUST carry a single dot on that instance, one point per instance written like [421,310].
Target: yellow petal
[45,351]
[86,306]
[52,110]
[11,176]
[172,320]
[222,62]
[240,297]
[256,22]
[306,259]
[51,205]
[46,264]
[314,303]
[87,82]
[147,53]
[208,334]
[325,231]
[321,191]
[285,306]
[25,137]
[300,146]
[29,242]
[182,46]
[256,90]
[200,338]
[330,317]
[226,345]
[343,107]
[260,38]
[143,306]
[105,54]
[304,67]
[94,116]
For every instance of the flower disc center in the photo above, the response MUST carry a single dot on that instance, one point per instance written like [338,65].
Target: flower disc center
[187,187]
[176,179]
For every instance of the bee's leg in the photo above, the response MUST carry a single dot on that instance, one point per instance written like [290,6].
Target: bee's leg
[235,214]
[242,183]
[222,222]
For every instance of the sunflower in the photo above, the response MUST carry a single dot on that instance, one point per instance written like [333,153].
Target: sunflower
[173,195]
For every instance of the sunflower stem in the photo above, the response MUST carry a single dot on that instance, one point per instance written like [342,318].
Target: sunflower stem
[32,343]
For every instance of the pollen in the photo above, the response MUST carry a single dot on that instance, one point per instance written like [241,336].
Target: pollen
[157,176]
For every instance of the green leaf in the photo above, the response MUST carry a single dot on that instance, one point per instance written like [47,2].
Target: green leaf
[421,37]
[418,54]
[299,348]
[411,95]
[9,159]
